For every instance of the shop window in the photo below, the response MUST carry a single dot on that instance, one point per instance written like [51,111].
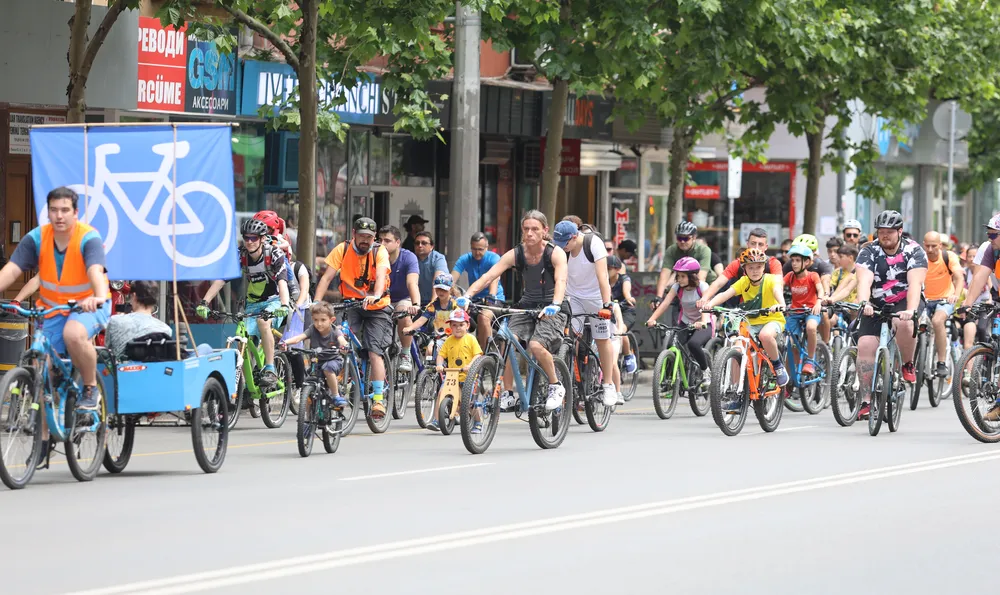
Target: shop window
[380,160]
[358,158]
[656,173]
[412,162]
[655,213]
[626,176]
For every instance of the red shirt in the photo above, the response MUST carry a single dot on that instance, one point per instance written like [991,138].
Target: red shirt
[733,270]
[803,289]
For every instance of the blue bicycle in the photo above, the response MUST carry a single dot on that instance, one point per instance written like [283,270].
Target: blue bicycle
[45,378]
[811,387]
[356,380]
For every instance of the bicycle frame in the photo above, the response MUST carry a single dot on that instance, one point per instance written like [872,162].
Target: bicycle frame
[360,365]
[751,349]
[513,348]
[800,348]
[681,355]
[249,356]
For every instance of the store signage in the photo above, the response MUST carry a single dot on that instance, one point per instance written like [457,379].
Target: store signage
[769,167]
[773,232]
[586,117]
[20,126]
[621,224]
[179,74]
[701,192]
[569,157]
[273,83]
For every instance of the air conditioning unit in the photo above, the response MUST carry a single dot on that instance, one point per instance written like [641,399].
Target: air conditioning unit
[521,64]
[281,161]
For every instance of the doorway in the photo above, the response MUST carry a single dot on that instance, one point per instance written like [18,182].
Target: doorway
[19,214]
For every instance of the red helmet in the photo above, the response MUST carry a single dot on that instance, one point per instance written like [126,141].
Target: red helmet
[271,219]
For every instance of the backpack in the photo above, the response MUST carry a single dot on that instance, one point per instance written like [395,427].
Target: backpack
[297,267]
[268,259]
[947,262]
[681,289]
[520,262]
[363,282]
[588,238]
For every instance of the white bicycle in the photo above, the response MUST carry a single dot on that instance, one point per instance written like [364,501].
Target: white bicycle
[160,181]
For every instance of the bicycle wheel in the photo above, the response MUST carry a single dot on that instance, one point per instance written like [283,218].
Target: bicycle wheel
[121,439]
[598,414]
[813,396]
[20,428]
[792,401]
[941,385]
[895,395]
[549,428]
[729,403]
[922,360]
[445,421]
[664,389]
[878,394]
[86,435]
[350,389]
[274,410]
[629,381]
[836,346]
[712,348]
[698,396]
[237,404]
[209,430]
[844,387]
[768,409]
[480,399]
[401,388]
[306,430]
[579,392]
[333,423]
[380,425]
[975,393]
[424,396]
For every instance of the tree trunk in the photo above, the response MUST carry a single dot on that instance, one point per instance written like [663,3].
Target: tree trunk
[78,25]
[553,150]
[813,175]
[680,151]
[308,102]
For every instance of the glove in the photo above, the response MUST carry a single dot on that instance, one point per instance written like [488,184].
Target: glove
[550,310]
[280,312]
[605,312]
[202,310]
[463,302]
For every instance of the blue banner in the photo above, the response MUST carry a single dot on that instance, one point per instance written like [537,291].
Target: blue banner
[272,83]
[130,195]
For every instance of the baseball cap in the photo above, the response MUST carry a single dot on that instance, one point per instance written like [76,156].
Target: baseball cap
[365,225]
[564,232]
[458,315]
[443,281]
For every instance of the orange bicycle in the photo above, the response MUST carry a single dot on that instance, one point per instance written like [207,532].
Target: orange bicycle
[742,374]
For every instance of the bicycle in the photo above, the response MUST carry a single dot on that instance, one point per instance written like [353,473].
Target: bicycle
[43,378]
[483,384]
[748,374]
[405,382]
[673,368]
[977,390]
[925,363]
[272,404]
[845,384]
[426,387]
[629,380]
[588,379]
[356,378]
[811,389]
[316,412]
[840,335]
[187,221]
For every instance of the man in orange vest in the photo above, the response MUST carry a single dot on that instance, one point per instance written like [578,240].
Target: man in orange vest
[364,275]
[69,257]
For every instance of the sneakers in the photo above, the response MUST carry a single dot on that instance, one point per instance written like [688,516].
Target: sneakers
[268,377]
[433,426]
[405,363]
[621,399]
[781,375]
[630,364]
[942,370]
[866,410]
[477,428]
[89,399]
[808,369]
[557,393]
[610,395]
[339,402]
[507,400]
[378,410]
[909,373]
[732,406]
[994,413]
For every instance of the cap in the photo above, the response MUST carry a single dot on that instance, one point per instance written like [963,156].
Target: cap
[443,281]
[564,232]
[365,225]
[415,219]
[458,315]
[614,262]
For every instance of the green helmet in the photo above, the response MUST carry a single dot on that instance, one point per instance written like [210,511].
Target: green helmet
[808,240]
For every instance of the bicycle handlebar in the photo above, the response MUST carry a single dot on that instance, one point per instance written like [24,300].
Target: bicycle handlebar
[238,316]
[36,312]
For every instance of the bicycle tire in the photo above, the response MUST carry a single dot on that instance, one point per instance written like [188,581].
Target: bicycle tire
[350,389]
[630,382]
[274,417]
[119,446]
[480,389]
[210,415]
[974,374]
[712,348]
[813,396]
[557,420]
[401,390]
[380,425]
[895,395]
[877,411]
[445,421]
[698,398]
[236,405]
[21,382]
[332,430]
[920,357]
[731,358]
[82,467]
[424,396]
[942,385]
[768,410]
[664,387]
[580,392]
[598,414]
[836,346]
[305,432]
[842,378]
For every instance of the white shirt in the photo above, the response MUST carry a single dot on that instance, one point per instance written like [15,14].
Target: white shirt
[581,278]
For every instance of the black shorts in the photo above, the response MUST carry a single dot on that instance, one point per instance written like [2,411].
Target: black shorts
[628,317]
[374,327]
[984,326]
[871,326]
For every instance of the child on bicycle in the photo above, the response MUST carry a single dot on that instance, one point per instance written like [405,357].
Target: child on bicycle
[688,289]
[324,334]
[459,351]
[439,310]
[621,293]
[806,287]
[760,292]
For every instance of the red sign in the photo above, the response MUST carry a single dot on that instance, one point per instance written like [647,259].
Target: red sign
[769,167]
[162,66]
[569,158]
[702,192]
[621,221]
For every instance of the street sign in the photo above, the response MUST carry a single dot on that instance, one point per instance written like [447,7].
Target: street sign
[735,185]
[942,121]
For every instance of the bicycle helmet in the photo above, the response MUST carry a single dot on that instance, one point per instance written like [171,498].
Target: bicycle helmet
[687,265]
[271,219]
[751,255]
[994,223]
[800,250]
[686,228]
[254,227]
[808,240]
[889,220]
[443,281]
[852,224]
[614,262]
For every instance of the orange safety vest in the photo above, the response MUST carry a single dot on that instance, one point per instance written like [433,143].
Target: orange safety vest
[74,284]
[357,274]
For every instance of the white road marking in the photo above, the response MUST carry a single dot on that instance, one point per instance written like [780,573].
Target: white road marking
[270,570]
[413,472]
[792,429]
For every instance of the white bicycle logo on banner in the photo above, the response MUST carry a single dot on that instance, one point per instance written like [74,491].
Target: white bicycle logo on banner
[160,181]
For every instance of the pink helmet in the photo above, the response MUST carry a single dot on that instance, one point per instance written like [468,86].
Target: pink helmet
[687,265]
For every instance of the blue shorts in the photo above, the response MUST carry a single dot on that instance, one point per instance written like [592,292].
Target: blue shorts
[795,324]
[938,305]
[253,309]
[94,322]
[335,365]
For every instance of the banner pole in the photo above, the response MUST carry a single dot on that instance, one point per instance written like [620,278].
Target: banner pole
[86,174]
[123,124]
[173,255]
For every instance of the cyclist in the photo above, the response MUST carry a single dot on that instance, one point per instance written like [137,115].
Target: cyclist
[852,232]
[621,293]
[844,281]
[542,267]
[890,272]
[689,289]
[430,263]
[832,254]
[364,275]
[69,256]
[686,234]
[265,269]
[819,266]
[757,240]
[474,264]
[404,288]
[324,334]
[459,350]
[783,251]
[987,261]
[438,311]
[297,274]
[589,292]
[944,281]
[806,288]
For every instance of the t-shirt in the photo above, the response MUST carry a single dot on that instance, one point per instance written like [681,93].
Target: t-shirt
[438,313]
[262,278]
[618,292]
[819,266]
[429,268]
[733,270]
[938,283]
[318,341]
[988,258]
[749,292]
[406,264]
[841,276]
[890,282]
[25,256]
[459,353]
[358,272]
[699,252]
[475,269]
[124,328]
[688,298]
[803,289]
[581,278]
[716,260]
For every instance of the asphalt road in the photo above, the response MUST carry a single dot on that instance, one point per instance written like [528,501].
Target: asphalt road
[649,506]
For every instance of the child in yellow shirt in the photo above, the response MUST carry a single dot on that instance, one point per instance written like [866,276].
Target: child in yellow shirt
[459,351]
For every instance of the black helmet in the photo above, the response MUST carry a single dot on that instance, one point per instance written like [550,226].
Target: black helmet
[686,228]
[254,227]
[889,220]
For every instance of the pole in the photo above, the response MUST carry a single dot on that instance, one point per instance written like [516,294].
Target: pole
[732,236]
[464,212]
[950,214]
[841,183]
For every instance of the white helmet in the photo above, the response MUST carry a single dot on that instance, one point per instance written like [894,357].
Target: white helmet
[852,224]
[994,222]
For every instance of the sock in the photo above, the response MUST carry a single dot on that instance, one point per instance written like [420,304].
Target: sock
[377,387]
[776,363]
[269,368]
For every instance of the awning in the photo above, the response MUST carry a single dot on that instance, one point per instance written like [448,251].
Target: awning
[595,157]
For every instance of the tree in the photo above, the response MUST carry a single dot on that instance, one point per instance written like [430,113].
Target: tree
[83,50]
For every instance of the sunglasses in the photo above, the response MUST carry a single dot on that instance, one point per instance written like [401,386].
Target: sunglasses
[683,238]
[852,235]
[993,234]
[423,243]
[363,226]
[251,238]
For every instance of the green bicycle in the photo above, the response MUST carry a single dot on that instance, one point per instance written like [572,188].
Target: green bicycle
[273,404]
[675,375]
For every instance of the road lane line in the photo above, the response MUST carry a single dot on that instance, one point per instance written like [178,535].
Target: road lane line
[274,569]
[414,472]
[791,429]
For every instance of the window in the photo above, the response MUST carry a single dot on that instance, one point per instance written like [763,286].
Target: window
[626,176]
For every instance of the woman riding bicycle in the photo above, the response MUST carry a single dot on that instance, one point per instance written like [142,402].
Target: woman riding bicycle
[689,289]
